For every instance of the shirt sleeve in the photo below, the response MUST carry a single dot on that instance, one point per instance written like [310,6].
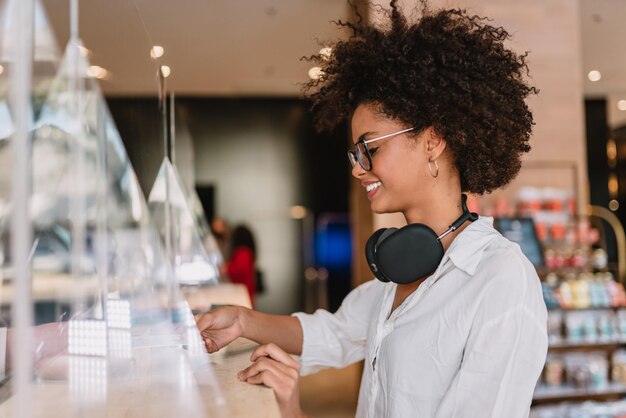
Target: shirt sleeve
[505,351]
[339,339]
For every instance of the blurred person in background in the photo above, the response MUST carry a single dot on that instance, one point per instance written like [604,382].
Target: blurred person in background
[222,234]
[241,267]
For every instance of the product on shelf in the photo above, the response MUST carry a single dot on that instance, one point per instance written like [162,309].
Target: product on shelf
[583,290]
[555,326]
[585,410]
[618,370]
[554,370]
[586,370]
[586,326]
[576,370]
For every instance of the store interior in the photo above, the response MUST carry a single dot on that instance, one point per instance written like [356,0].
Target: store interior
[193,111]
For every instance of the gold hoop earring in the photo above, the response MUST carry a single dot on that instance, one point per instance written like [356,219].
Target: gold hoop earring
[436,173]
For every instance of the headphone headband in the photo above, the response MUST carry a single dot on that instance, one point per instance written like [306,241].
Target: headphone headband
[465,216]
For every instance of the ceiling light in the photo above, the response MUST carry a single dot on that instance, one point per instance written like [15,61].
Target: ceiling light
[594,75]
[166,71]
[97,72]
[84,51]
[156,52]
[316,73]
[621,105]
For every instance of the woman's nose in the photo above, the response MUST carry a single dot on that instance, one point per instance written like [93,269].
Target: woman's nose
[358,171]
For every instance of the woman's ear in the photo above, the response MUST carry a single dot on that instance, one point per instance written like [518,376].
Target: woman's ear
[435,145]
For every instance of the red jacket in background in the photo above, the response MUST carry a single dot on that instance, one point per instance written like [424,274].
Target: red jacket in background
[241,269]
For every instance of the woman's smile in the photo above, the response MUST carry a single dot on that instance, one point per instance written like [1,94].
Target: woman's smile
[371,188]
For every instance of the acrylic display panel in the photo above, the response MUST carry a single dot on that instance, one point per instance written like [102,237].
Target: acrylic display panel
[45,59]
[206,236]
[179,226]
[45,62]
[113,335]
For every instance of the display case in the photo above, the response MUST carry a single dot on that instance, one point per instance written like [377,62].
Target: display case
[111,333]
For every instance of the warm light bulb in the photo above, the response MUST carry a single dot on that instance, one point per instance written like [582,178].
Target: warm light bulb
[166,71]
[85,52]
[316,73]
[156,51]
[613,185]
[97,72]
[326,52]
[297,212]
[611,149]
[614,205]
[594,75]
[621,105]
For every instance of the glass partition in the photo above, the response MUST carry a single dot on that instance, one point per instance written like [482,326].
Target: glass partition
[113,335]
[181,228]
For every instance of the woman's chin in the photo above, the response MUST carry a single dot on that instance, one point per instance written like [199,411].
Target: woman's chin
[381,209]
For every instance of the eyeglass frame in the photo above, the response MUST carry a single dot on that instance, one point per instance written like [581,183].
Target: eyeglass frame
[353,155]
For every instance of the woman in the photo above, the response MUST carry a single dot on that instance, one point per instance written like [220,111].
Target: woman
[436,108]
[241,266]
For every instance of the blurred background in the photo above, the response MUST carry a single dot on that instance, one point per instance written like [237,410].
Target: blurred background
[244,138]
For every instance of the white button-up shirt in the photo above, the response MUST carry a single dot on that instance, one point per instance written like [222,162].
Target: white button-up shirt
[471,341]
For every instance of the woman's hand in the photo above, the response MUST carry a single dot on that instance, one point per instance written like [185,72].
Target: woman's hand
[220,327]
[276,369]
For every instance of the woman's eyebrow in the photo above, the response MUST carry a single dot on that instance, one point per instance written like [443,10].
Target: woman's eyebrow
[362,136]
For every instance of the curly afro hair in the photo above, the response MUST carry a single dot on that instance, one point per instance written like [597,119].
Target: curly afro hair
[449,71]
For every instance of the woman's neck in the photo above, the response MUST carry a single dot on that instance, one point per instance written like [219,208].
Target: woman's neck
[438,213]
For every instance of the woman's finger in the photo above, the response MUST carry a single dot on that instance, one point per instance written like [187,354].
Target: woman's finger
[204,321]
[273,351]
[211,346]
[282,387]
[282,379]
[267,378]
[267,364]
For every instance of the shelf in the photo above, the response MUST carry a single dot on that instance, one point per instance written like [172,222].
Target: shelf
[546,394]
[591,308]
[583,346]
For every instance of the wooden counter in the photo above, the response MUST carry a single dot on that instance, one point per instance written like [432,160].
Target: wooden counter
[156,382]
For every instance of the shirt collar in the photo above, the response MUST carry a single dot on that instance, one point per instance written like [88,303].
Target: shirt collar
[467,248]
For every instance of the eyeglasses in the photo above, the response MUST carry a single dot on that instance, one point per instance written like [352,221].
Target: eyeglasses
[361,153]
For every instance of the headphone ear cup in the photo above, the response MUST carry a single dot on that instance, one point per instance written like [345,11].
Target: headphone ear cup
[370,251]
[408,255]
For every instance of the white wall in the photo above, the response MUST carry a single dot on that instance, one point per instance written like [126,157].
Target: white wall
[256,177]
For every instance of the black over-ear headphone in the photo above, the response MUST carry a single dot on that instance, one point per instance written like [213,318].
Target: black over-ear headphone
[410,253]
